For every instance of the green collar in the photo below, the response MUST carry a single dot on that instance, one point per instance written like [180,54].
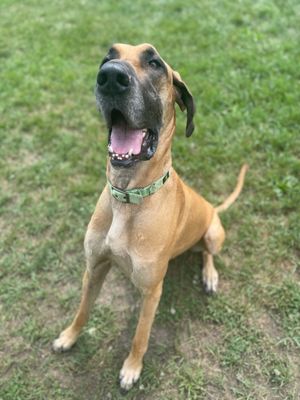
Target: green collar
[135,196]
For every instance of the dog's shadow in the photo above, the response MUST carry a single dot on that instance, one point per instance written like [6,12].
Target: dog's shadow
[182,287]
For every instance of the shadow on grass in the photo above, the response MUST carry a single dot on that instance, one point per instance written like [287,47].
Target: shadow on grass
[183,294]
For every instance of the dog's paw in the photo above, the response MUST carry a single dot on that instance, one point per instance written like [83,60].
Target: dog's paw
[65,341]
[130,373]
[210,281]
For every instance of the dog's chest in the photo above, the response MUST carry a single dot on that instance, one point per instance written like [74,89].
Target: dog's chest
[128,245]
[120,242]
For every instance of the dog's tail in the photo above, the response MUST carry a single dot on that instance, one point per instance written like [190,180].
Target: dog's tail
[235,194]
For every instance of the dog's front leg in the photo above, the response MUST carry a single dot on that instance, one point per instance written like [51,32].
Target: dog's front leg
[133,364]
[91,284]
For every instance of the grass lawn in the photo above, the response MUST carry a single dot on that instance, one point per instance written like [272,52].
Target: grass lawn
[241,61]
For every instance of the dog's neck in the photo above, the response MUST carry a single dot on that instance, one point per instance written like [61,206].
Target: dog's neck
[145,172]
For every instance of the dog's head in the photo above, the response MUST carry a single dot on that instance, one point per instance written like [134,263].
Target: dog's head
[136,91]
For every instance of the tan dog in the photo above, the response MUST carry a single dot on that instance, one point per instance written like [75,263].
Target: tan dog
[141,230]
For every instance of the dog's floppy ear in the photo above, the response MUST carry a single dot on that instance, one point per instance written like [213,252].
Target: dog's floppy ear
[184,99]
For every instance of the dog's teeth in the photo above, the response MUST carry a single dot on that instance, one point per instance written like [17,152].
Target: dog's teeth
[110,149]
[130,152]
[126,156]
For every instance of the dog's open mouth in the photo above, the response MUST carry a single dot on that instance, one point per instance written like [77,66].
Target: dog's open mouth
[127,145]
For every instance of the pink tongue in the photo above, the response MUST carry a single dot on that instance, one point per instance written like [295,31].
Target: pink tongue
[123,139]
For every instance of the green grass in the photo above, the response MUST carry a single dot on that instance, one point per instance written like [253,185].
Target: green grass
[241,62]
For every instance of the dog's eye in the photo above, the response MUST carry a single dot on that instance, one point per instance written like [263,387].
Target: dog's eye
[155,64]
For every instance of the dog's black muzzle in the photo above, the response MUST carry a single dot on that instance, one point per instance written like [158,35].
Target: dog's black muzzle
[130,107]
[118,88]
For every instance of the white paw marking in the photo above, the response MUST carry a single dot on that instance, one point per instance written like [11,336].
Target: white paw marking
[128,376]
[63,343]
[211,281]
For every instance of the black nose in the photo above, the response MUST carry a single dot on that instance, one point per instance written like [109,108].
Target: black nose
[113,78]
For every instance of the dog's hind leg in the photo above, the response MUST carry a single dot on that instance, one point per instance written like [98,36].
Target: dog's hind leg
[213,241]
[92,281]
